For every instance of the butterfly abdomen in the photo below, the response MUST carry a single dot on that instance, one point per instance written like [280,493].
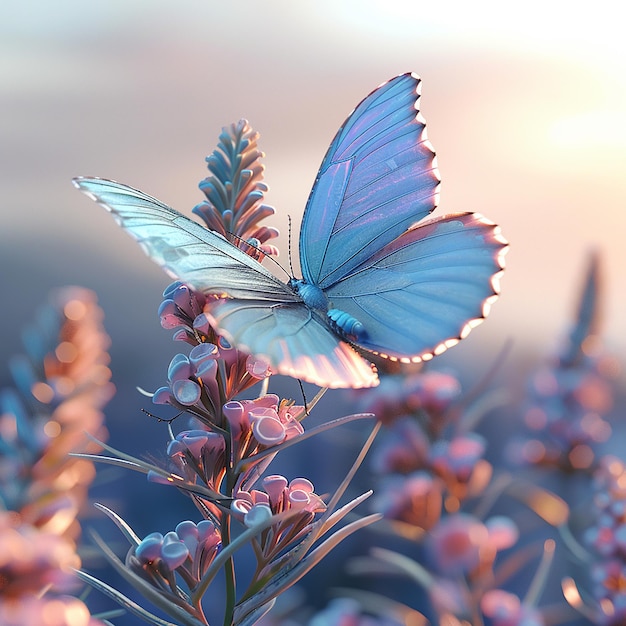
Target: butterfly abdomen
[345,325]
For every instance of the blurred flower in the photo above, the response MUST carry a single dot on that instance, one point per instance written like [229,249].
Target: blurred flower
[462,544]
[431,393]
[607,536]
[415,499]
[348,612]
[506,609]
[46,611]
[568,397]
[459,464]
[404,448]
[32,562]
[62,382]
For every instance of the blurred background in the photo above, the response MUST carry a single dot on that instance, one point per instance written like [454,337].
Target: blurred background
[525,105]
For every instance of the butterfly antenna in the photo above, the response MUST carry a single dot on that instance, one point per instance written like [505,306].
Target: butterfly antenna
[162,419]
[306,407]
[260,251]
[290,257]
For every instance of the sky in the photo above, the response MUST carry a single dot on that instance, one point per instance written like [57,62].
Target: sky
[524,105]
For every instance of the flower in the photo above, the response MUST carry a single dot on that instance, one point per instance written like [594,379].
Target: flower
[429,392]
[462,544]
[280,496]
[404,449]
[568,396]
[460,466]
[348,612]
[188,550]
[235,192]
[261,423]
[195,383]
[415,499]
[198,383]
[506,609]
[32,562]
[62,384]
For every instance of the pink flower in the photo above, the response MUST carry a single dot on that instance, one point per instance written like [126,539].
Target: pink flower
[261,423]
[404,449]
[280,496]
[396,396]
[31,560]
[460,543]
[506,609]
[415,499]
[56,611]
[190,549]
[460,465]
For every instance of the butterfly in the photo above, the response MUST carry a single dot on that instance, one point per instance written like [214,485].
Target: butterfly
[376,279]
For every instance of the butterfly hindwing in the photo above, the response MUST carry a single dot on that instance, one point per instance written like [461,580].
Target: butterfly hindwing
[378,177]
[294,339]
[426,289]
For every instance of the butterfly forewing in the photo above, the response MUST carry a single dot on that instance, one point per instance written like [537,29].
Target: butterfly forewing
[187,251]
[378,177]
[426,288]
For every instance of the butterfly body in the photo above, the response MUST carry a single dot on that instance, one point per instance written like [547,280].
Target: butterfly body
[346,326]
[375,273]
[311,295]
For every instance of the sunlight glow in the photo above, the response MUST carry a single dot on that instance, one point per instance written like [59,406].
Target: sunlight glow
[570,591]
[597,128]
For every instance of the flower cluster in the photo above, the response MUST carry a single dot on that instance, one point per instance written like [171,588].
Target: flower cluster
[188,551]
[607,539]
[423,471]
[193,379]
[61,384]
[568,397]
[433,472]
[219,457]
[235,191]
[433,468]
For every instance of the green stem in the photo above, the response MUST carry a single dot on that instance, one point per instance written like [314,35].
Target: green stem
[229,573]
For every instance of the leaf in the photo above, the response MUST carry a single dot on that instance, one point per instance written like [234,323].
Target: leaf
[277,585]
[127,603]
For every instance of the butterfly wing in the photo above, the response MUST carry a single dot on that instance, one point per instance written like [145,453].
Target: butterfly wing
[294,339]
[427,289]
[378,177]
[261,313]
[183,248]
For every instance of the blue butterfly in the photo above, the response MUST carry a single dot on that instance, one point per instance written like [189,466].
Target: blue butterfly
[372,279]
